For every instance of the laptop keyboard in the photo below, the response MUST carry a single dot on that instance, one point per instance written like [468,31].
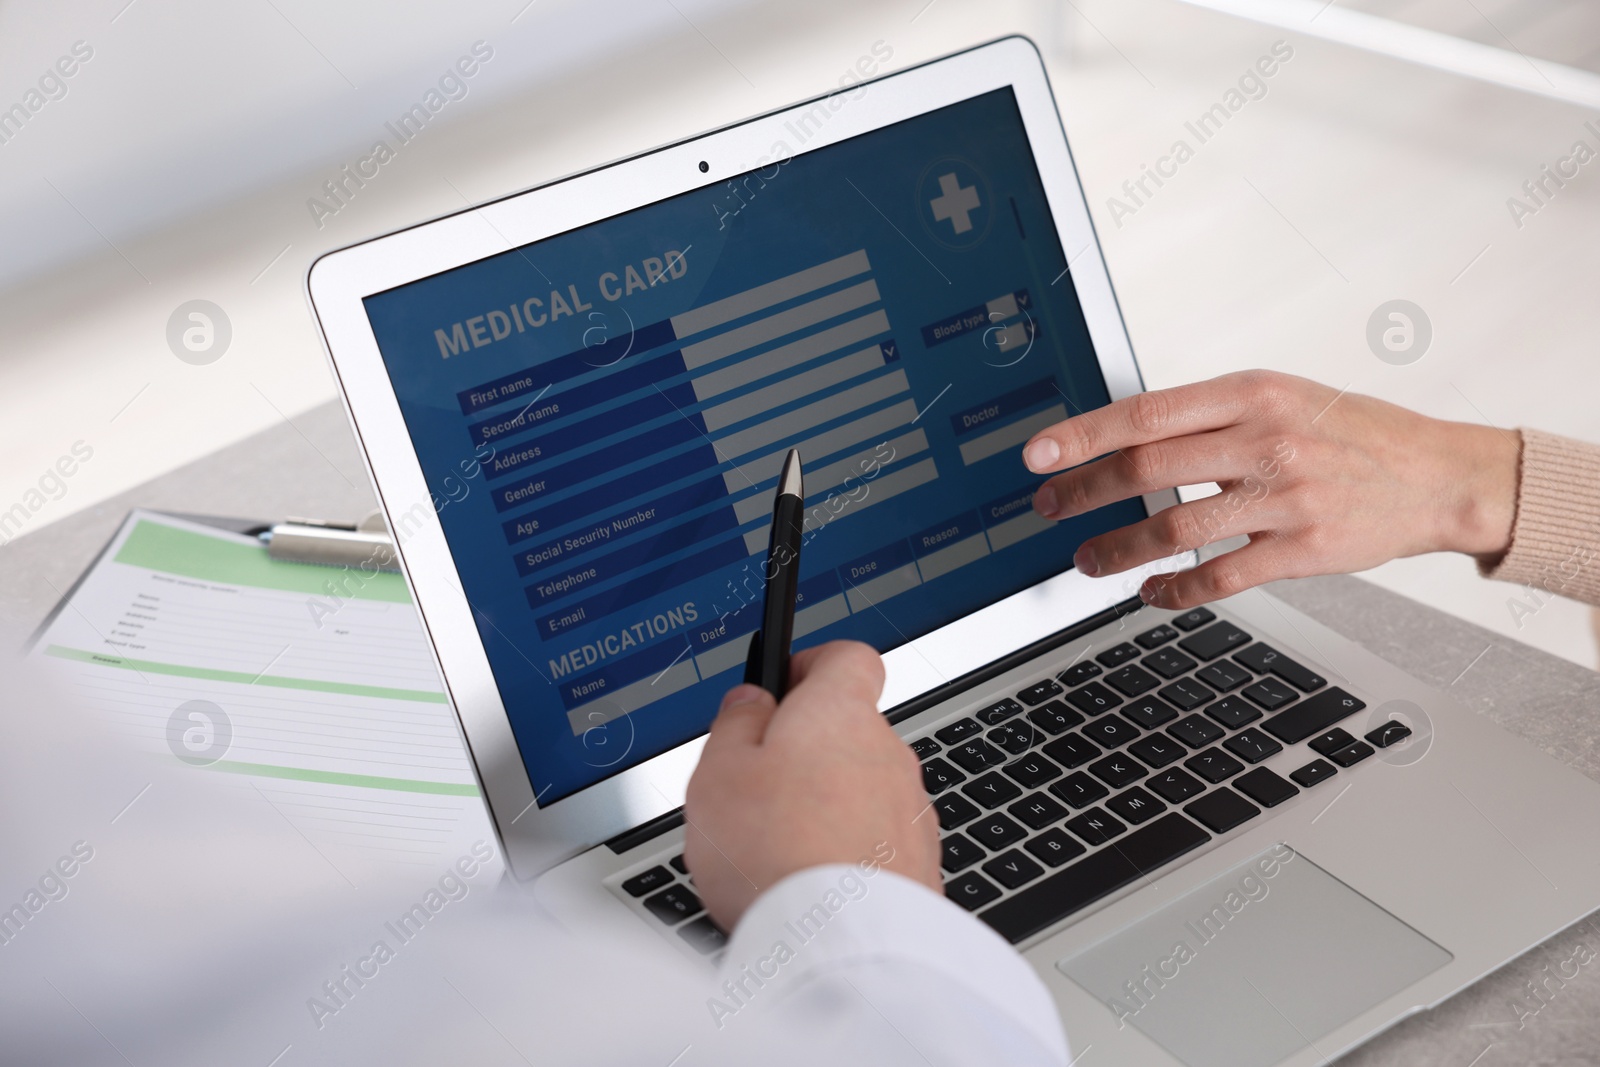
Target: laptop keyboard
[1104,773]
[1084,782]
[664,891]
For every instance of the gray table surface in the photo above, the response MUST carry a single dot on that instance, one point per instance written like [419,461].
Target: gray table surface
[310,467]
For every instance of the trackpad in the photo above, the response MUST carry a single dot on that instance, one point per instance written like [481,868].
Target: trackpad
[1254,965]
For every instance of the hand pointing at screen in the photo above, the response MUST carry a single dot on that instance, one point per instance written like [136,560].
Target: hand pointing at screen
[1320,482]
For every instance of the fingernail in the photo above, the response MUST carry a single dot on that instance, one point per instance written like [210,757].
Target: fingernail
[1042,454]
[1085,562]
[744,694]
[1045,502]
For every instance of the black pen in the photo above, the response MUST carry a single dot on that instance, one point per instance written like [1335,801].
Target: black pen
[768,662]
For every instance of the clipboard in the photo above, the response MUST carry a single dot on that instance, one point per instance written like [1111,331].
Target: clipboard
[294,540]
[312,686]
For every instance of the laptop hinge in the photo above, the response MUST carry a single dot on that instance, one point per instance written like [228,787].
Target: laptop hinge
[630,839]
[902,712]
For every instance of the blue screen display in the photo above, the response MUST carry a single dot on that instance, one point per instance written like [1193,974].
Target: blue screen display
[601,417]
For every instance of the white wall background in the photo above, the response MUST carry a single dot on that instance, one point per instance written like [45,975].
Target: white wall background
[179,163]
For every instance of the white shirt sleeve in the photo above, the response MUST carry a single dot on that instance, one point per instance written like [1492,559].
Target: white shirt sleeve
[838,965]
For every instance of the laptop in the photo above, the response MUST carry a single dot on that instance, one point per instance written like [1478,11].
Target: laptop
[1221,836]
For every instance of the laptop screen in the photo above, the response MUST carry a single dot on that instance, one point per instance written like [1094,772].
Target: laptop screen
[601,417]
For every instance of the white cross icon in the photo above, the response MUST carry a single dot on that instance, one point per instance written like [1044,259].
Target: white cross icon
[955,202]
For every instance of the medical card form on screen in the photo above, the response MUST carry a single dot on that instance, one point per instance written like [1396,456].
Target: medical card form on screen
[612,405]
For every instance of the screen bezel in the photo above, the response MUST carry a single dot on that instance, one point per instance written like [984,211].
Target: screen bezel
[537,837]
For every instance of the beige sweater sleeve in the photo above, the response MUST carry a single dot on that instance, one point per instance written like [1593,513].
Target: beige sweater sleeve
[1555,539]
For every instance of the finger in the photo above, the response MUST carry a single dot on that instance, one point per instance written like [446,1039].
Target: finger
[1180,528]
[742,720]
[1218,456]
[1266,558]
[838,659]
[800,664]
[838,678]
[1141,419]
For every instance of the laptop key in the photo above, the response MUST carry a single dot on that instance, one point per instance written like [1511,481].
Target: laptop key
[976,755]
[1187,694]
[1031,772]
[1314,773]
[1392,732]
[1312,715]
[1331,740]
[1233,712]
[1132,680]
[1015,737]
[1071,888]
[640,884]
[937,776]
[1350,755]
[1221,810]
[1038,811]
[957,853]
[1270,693]
[1264,659]
[996,832]
[1213,641]
[1168,662]
[955,810]
[1136,806]
[1111,731]
[1158,636]
[679,865]
[1071,751]
[1039,692]
[1054,718]
[1158,750]
[1012,869]
[1079,790]
[1053,848]
[1195,731]
[1223,675]
[998,712]
[1265,788]
[1149,712]
[672,904]
[1117,655]
[1193,619]
[1214,765]
[991,790]
[1251,745]
[924,747]
[703,935]
[1093,699]
[1078,673]
[1174,785]
[958,731]
[1117,770]
[1095,826]
[972,891]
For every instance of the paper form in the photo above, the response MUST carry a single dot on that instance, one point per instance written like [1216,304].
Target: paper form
[315,685]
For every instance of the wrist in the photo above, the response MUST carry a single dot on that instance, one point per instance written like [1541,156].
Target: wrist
[1480,492]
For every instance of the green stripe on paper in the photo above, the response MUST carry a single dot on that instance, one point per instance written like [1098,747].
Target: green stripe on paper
[244,678]
[213,559]
[368,781]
